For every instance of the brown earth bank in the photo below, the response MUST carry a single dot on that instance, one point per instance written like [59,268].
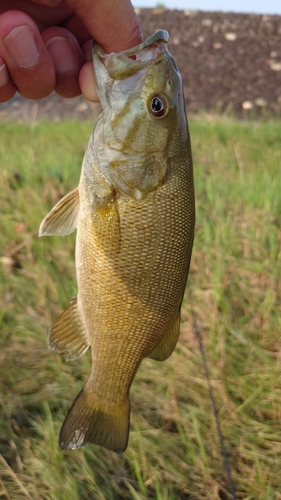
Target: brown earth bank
[229,63]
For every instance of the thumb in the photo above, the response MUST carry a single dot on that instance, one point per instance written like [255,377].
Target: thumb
[112,23]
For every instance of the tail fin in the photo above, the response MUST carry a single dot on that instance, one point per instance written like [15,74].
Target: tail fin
[94,421]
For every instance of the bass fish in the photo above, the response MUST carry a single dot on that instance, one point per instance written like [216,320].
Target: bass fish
[134,214]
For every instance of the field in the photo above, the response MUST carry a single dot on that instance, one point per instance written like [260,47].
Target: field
[234,290]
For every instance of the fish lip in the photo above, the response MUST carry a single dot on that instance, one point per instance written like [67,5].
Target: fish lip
[157,37]
[127,62]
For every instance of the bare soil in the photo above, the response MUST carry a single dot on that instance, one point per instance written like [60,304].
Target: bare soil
[229,63]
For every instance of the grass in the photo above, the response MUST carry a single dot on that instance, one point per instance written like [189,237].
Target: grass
[235,292]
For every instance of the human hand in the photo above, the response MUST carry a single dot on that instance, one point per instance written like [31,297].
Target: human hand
[46,45]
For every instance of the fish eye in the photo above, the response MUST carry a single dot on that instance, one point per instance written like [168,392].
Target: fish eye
[158,106]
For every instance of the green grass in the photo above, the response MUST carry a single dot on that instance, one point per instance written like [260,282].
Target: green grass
[174,451]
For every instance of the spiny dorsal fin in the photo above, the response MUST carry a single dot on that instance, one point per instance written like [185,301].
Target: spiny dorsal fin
[168,342]
[62,219]
[68,335]
[92,420]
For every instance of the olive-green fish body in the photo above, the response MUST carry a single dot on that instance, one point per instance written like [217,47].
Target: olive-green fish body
[134,213]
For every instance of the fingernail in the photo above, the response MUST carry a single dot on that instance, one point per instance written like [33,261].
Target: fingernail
[3,73]
[61,53]
[21,46]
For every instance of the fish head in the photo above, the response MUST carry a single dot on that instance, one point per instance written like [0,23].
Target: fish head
[142,125]
[140,91]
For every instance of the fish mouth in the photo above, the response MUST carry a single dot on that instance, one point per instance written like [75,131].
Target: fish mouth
[128,62]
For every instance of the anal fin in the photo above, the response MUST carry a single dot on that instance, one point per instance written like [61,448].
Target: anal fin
[68,335]
[92,420]
[62,219]
[168,342]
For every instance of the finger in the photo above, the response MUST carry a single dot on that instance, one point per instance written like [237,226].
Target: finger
[27,60]
[48,3]
[45,13]
[87,49]
[114,25]
[87,82]
[7,88]
[76,26]
[67,58]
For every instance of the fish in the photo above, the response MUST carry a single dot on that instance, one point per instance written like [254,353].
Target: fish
[134,213]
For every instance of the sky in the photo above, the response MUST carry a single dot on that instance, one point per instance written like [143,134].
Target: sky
[246,6]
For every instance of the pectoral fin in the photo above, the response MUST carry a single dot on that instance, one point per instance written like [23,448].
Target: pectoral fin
[68,335]
[62,219]
[168,342]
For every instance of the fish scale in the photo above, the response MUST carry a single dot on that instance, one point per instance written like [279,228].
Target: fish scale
[134,214]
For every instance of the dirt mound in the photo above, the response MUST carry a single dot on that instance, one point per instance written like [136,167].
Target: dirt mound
[228,62]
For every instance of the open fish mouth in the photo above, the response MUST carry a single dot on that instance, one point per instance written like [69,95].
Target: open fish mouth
[128,62]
